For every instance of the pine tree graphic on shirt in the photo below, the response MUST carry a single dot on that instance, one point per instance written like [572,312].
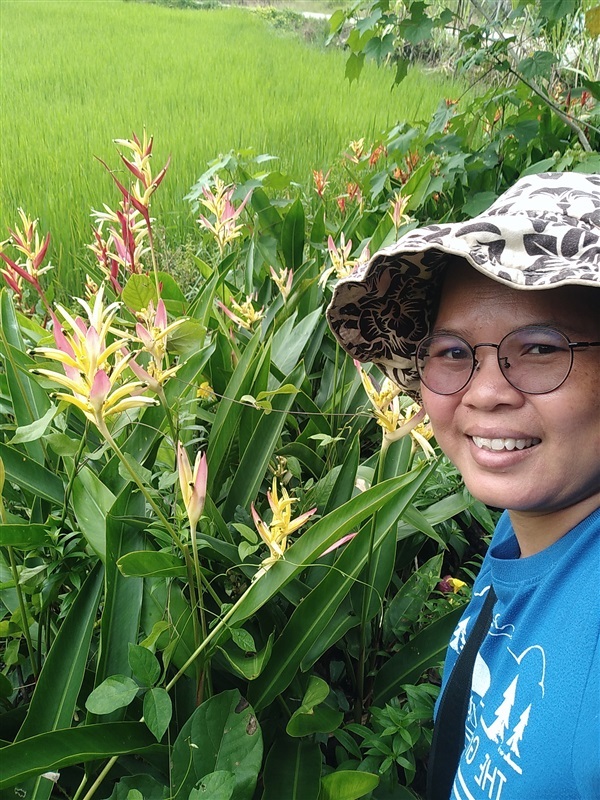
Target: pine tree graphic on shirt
[517,734]
[460,635]
[497,729]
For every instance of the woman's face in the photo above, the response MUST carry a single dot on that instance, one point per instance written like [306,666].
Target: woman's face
[558,466]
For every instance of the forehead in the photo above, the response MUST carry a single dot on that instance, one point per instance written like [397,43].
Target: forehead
[469,298]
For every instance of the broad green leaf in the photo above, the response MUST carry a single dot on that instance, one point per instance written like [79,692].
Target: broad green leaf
[354,66]
[144,664]
[407,603]
[149,788]
[158,711]
[35,430]
[294,764]
[291,339]
[229,411]
[347,785]
[115,692]
[318,608]
[292,236]
[139,291]
[29,400]
[424,650]
[254,462]
[58,749]
[222,734]
[313,717]
[248,665]
[23,537]
[123,596]
[55,697]
[31,476]
[309,546]
[147,564]
[243,640]
[92,501]
[219,785]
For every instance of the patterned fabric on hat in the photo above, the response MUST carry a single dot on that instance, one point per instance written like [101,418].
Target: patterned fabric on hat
[542,233]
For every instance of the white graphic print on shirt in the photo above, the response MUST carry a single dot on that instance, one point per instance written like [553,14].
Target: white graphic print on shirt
[500,708]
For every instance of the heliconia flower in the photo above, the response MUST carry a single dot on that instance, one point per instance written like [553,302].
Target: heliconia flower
[139,166]
[321,181]
[376,154]
[283,281]
[357,149]
[389,414]
[243,314]
[341,264]
[397,211]
[275,535]
[26,240]
[449,584]
[224,227]
[347,538]
[123,247]
[92,370]
[193,484]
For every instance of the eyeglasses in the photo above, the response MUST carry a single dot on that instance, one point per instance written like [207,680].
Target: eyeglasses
[534,360]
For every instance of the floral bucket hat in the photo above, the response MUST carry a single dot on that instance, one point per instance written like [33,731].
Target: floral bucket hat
[542,233]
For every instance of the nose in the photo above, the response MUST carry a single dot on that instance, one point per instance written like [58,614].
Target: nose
[488,386]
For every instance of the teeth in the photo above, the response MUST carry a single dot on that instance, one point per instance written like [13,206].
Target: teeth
[504,444]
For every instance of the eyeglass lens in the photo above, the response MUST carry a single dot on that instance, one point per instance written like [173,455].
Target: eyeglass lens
[534,360]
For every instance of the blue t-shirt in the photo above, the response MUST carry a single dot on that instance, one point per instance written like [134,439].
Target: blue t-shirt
[533,725]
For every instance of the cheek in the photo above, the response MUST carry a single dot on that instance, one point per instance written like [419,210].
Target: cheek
[440,410]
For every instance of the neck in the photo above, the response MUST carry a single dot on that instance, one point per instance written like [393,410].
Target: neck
[535,531]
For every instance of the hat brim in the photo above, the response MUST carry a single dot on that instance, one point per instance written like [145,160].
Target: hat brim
[541,234]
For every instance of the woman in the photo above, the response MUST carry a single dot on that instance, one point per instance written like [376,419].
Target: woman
[495,323]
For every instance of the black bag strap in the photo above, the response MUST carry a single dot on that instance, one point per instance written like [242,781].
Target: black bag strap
[449,731]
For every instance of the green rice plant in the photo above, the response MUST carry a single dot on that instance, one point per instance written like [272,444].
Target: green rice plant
[205,82]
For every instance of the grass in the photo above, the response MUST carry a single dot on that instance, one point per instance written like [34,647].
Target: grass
[76,74]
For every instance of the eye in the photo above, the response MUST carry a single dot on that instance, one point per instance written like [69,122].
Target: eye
[448,348]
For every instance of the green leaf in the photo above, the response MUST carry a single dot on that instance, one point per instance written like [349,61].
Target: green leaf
[139,291]
[57,689]
[318,608]
[115,692]
[313,717]
[424,650]
[219,785]
[92,501]
[405,607]
[291,339]
[248,665]
[35,755]
[347,785]
[144,664]
[538,65]
[147,564]
[254,462]
[30,476]
[158,711]
[123,596]
[296,765]
[292,235]
[243,640]
[354,66]
[36,429]
[22,536]
[222,734]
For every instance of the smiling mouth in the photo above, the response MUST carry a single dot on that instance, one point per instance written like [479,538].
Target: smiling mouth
[504,444]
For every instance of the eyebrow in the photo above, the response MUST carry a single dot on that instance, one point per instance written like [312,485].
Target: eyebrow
[464,333]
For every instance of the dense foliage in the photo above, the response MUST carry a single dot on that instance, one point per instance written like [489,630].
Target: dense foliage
[231,560]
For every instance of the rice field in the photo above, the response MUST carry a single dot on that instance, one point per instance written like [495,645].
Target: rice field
[75,74]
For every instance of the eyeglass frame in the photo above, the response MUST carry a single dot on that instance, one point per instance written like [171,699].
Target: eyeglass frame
[475,363]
